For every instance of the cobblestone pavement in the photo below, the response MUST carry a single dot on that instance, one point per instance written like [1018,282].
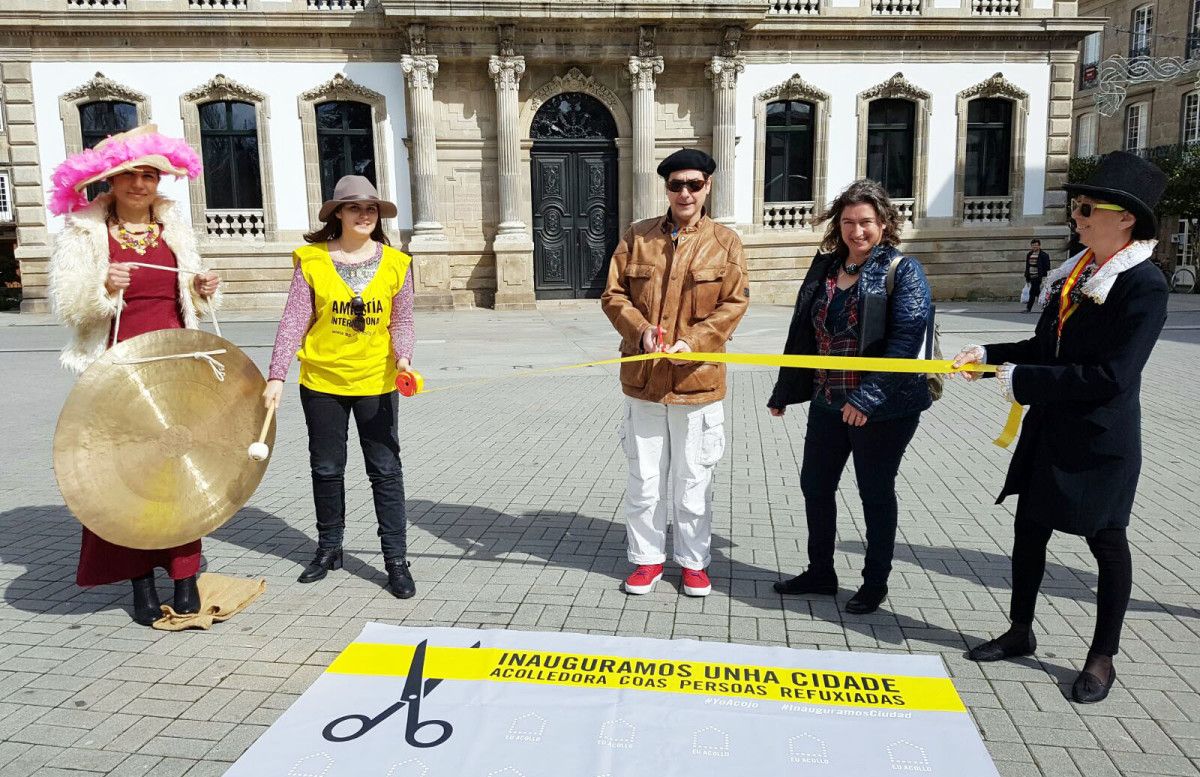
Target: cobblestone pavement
[514,511]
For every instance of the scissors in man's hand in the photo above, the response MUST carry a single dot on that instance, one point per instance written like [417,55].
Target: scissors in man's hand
[415,688]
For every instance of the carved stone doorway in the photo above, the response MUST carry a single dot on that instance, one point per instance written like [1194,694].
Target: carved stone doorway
[574,188]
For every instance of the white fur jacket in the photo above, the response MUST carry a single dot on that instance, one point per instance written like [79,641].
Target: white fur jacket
[79,265]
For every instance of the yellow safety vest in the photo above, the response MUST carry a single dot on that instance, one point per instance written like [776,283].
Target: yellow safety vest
[336,359]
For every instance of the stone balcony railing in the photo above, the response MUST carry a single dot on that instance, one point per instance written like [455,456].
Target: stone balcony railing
[337,5]
[995,7]
[987,210]
[794,7]
[238,224]
[907,207]
[896,7]
[788,215]
[95,4]
[218,5]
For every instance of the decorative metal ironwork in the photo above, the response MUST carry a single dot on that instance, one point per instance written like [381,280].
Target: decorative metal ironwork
[1117,73]
[573,116]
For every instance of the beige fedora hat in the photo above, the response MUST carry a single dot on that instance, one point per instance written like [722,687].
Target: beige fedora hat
[355,188]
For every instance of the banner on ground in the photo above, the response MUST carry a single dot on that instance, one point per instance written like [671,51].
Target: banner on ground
[429,702]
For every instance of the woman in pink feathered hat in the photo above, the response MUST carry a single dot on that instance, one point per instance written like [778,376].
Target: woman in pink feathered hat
[91,278]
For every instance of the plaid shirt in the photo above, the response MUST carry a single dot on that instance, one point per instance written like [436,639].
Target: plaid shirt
[836,336]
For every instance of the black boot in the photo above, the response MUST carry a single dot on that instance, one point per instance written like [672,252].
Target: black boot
[1017,641]
[187,596]
[808,582]
[324,561]
[146,607]
[867,599]
[400,580]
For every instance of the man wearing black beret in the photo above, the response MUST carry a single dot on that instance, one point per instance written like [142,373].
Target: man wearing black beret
[676,283]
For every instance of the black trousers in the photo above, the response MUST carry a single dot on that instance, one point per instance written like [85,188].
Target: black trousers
[328,419]
[877,448]
[1035,288]
[1110,547]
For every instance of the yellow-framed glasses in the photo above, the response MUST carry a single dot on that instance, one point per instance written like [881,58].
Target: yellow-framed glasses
[1085,208]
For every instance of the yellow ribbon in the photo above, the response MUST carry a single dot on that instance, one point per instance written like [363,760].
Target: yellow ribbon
[843,363]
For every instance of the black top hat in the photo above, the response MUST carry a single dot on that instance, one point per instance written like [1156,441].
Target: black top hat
[1127,180]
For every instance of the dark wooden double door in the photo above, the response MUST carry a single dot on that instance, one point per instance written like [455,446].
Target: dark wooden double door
[575,225]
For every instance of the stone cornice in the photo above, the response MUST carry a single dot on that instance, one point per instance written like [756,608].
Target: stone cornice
[573,81]
[340,88]
[635,11]
[795,88]
[102,87]
[896,86]
[221,87]
[996,86]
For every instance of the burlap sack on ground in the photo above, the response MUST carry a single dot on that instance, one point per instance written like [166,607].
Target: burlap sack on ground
[221,597]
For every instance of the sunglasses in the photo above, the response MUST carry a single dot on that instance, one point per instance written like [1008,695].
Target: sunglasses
[1085,208]
[359,309]
[693,185]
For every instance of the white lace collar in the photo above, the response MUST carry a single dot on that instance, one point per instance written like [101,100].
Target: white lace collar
[1098,286]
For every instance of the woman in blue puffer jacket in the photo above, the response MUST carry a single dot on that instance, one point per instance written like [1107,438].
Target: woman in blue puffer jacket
[844,309]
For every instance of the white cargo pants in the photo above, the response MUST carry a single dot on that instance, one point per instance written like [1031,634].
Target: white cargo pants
[675,446]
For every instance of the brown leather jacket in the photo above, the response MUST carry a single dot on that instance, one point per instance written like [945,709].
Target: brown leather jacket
[697,291]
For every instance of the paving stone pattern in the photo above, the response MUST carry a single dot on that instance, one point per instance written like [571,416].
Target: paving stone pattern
[515,521]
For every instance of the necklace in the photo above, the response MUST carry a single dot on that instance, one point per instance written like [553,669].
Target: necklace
[138,242]
[851,269]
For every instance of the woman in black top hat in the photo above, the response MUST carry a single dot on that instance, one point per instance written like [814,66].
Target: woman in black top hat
[1076,465]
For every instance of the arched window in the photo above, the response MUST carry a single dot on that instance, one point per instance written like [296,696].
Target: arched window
[789,151]
[890,145]
[345,142]
[98,120]
[229,142]
[989,147]
[573,116]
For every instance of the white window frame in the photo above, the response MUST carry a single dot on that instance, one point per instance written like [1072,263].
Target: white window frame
[1189,130]
[1085,135]
[1135,112]
[7,214]
[1141,32]
[1090,54]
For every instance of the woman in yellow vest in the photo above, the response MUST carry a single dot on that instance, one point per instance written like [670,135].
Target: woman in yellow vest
[349,319]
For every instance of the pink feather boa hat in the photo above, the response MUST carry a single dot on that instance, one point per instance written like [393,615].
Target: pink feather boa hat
[140,147]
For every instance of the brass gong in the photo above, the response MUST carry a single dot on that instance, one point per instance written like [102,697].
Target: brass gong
[153,454]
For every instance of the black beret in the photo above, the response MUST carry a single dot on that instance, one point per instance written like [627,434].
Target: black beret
[687,159]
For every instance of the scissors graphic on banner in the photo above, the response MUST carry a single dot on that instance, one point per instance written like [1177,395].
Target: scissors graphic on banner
[416,687]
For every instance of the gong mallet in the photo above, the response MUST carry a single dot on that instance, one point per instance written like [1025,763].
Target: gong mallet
[259,450]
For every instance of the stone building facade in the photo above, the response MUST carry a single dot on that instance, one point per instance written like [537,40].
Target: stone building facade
[1151,116]
[518,140]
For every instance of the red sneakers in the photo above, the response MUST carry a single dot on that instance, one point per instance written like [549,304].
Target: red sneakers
[695,582]
[643,579]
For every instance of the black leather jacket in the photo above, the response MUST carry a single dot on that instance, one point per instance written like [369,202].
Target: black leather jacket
[891,328]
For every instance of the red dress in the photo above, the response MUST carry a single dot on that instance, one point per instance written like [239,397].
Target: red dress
[151,303]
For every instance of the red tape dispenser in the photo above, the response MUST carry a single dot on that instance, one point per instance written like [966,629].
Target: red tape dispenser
[410,383]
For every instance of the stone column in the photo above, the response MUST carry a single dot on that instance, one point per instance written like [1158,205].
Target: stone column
[428,245]
[645,190]
[513,245]
[506,73]
[724,73]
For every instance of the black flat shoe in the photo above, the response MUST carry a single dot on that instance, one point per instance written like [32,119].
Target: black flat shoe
[867,599]
[1010,644]
[146,607]
[324,561]
[400,580]
[187,596]
[1088,688]
[808,582]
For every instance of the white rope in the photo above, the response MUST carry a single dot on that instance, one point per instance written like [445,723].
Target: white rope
[205,356]
[212,311]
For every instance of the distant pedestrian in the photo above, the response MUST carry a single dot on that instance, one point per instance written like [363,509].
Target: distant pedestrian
[1037,266]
